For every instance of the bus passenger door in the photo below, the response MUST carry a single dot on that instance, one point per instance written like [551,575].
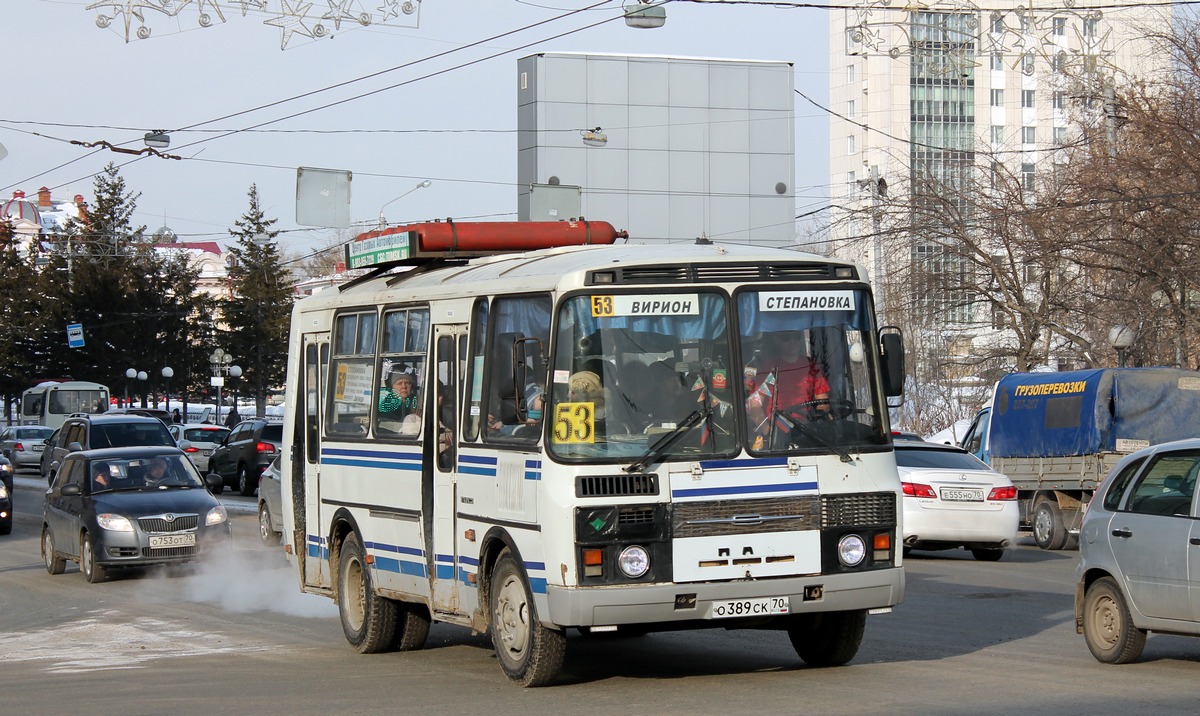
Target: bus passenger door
[441,447]
[311,526]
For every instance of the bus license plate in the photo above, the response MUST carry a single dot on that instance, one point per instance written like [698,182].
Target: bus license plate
[184,540]
[749,607]
[958,495]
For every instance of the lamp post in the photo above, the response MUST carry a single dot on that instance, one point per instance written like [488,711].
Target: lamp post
[130,374]
[142,376]
[235,372]
[420,185]
[167,372]
[219,361]
[1121,338]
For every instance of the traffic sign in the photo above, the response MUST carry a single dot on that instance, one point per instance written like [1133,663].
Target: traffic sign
[75,335]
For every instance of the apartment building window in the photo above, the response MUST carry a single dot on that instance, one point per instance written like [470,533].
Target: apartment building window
[851,108]
[997,23]
[1027,176]
[997,134]
[997,98]
[851,74]
[1060,26]
[1027,63]
[1026,24]
[1027,98]
[997,61]
[1090,26]
[851,183]
[1060,136]
[1060,100]
[852,144]
[996,175]
[1028,135]
[1058,61]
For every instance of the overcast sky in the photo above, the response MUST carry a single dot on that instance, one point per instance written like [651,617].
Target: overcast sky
[70,79]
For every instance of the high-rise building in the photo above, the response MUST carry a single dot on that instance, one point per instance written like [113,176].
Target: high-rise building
[931,94]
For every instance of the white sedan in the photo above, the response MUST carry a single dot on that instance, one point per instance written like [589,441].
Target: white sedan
[198,440]
[952,499]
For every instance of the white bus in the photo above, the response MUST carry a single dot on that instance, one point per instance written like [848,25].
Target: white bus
[663,485]
[51,402]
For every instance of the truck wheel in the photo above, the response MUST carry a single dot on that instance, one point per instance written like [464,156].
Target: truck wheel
[828,639]
[529,653]
[368,620]
[1107,627]
[1048,529]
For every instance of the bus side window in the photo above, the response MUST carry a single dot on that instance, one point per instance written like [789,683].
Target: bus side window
[351,383]
[520,327]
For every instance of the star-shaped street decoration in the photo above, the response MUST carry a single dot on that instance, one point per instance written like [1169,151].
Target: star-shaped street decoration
[388,9]
[339,11]
[258,5]
[290,21]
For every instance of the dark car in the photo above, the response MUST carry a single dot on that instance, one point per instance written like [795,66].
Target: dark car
[91,432]
[130,507]
[6,496]
[148,412]
[245,452]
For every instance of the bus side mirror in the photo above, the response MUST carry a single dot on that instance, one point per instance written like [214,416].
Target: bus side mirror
[891,346]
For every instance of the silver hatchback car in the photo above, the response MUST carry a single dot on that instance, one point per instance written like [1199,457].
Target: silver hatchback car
[1139,553]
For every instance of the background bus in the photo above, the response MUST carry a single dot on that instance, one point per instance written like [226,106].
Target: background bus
[50,403]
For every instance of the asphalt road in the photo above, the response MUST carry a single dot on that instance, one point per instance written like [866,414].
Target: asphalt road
[971,637]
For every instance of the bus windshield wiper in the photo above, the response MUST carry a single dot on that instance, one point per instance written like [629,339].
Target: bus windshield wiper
[809,432]
[668,440]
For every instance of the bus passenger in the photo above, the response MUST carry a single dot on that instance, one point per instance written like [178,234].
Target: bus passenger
[786,382]
[399,399]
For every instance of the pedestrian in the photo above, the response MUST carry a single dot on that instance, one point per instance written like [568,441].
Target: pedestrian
[176,417]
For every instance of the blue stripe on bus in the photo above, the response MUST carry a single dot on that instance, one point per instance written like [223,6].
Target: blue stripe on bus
[479,459]
[744,489]
[539,566]
[400,566]
[445,571]
[485,471]
[445,558]
[537,585]
[389,454]
[395,548]
[533,474]
[410,466]
[533,464]
[469,560]
[760,462]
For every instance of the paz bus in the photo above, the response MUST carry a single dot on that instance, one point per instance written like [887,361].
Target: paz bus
[50,403]
[531,429]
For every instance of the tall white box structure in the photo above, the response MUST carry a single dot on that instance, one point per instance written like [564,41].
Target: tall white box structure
[677,148]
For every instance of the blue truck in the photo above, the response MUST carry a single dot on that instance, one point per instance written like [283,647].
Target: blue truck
[1056,435]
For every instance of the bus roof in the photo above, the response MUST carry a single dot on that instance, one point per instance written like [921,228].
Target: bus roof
[567,268]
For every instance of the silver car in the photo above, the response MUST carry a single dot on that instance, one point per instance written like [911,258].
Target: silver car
[1139,553]
[270,515]
[198,440]
[23,444]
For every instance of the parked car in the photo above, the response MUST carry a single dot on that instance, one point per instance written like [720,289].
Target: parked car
[270,514]
[159,413]
[48,452]
[23,444]
[128,507]
[245,452]
[6,496]
[1137,553]
[952,499]
[198,440]
[89,432]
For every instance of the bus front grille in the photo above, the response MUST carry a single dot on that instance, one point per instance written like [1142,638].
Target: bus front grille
[726,517]
[858,509]
[616,485]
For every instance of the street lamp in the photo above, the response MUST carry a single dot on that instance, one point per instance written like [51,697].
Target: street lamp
[420,185]
[142,376]
[130,374]
[167,372]
[1121,338]
[645,13]
[235,372]
[219,362]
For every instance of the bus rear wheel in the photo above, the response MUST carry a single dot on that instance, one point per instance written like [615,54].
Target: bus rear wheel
[828,638]
[368,620]
[529,653]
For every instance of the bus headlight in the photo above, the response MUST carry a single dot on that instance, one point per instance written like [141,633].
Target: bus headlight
[852,550]
[634,561]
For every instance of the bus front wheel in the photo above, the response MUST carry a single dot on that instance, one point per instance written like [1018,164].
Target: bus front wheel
[368,620]
[529,653]
[828,638]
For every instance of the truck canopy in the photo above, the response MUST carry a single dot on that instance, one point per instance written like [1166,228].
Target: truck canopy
[1086,412]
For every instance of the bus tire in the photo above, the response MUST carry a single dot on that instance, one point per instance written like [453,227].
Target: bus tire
[412,628]
[529,653]
[828,638]
[1049,532]
[368,620]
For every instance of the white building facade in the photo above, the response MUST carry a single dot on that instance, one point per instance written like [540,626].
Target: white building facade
[948,85]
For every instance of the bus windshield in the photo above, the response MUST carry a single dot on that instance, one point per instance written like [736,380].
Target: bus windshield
[631,368]
[683,376]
